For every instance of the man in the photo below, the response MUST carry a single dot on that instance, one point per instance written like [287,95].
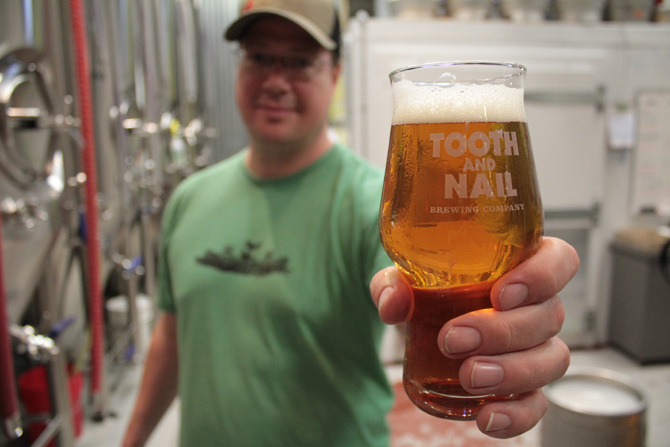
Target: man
[269,331]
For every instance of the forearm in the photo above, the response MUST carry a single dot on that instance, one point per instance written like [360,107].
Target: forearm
[159,383]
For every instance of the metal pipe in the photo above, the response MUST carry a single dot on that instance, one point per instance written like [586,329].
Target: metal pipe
[9,409]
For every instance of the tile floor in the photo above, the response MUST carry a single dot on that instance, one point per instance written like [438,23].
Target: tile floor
[654,382]
[412,428]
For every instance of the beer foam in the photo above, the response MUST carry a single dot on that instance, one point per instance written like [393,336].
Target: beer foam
[416,104]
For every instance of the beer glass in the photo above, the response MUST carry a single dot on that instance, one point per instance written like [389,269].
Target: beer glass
[460,207]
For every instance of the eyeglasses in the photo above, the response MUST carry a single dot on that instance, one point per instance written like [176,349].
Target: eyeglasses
[293,67]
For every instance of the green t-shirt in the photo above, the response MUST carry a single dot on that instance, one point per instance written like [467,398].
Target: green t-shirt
[278,337]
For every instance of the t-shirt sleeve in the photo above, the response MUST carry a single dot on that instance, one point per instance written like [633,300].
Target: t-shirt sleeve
[165,298]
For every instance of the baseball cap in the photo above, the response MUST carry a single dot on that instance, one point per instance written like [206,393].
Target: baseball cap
[317,17]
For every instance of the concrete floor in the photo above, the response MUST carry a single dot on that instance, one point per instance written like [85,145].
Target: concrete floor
[653,381]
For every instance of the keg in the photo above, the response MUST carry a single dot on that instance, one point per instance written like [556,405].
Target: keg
[594,407]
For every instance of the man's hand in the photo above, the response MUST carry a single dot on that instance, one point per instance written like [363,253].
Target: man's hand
[511,349]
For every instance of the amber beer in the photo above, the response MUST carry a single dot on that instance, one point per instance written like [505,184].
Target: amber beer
[460,207]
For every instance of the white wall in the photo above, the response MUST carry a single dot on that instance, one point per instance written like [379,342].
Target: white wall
[578,75]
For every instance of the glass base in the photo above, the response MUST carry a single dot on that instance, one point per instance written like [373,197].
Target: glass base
[449,401]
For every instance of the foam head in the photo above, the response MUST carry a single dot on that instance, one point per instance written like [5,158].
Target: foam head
[442,93]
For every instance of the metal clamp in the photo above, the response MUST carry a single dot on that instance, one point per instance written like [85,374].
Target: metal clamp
[38,347]
[19,69]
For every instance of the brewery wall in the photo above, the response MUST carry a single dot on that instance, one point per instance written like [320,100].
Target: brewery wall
[591,89]
[161,94]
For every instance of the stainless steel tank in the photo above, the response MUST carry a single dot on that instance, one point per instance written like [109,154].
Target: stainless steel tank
[150,132]
[38,198]
[594,407]
[38,145]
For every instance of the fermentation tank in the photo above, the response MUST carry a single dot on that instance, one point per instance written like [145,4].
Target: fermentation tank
[149,131]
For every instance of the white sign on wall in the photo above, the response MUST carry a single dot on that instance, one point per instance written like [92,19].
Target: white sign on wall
[651,188]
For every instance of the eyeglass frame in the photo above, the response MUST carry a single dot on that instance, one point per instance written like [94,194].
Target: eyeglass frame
[292,72]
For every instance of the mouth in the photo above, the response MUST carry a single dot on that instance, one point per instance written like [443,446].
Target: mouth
[275,112]
[274,107]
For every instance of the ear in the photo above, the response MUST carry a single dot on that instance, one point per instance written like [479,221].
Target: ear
[335,72]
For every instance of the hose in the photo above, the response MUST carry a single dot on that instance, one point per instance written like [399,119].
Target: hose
[96,320]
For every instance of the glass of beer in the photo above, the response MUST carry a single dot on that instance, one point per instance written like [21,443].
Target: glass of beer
[460,207]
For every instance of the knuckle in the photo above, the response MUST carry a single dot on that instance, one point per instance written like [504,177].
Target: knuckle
[557,316]
[509,337]
[532,376]
[563,357]
[538,367]
[525,411]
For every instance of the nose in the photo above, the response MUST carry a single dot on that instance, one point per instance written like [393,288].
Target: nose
[276,79]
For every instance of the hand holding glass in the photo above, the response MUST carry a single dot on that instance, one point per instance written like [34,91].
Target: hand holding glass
[460,208]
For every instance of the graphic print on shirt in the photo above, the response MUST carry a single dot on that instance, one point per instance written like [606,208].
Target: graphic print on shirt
[247,262]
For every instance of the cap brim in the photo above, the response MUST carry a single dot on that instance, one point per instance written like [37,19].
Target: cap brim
[237,29]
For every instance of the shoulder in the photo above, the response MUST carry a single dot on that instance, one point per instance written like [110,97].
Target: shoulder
[355,161]
[201,185]
[216,177]
[363,179]
[358,191]
[212,175]
[358,171]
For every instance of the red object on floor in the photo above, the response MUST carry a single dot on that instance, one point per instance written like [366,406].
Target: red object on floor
[34,393]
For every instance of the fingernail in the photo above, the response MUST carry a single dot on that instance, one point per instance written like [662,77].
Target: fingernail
[513,295]
[383,296]
[498,421]
[486,375]
[393,311]
[462,339]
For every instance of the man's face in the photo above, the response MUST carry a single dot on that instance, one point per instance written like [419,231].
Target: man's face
[284,83]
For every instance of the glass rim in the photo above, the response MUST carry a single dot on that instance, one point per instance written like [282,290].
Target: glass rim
[521,68]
